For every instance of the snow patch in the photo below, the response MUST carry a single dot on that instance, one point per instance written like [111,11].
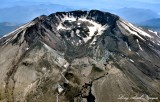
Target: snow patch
[68,18]
[129,49]
[27,48]
[77,31]
[66,65]
[128,46]
[72,33]
[137,53]
[94,28]
[60,26]
[78,23]
[80,41]
[153,32]
[131,60]
[60,89]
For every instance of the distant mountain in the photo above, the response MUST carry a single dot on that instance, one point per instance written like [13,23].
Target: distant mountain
[6,27]
[153,24]
[157,29]
[23,14]
[135,15]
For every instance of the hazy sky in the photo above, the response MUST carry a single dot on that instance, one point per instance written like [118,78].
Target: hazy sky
[30,9]
[86,3]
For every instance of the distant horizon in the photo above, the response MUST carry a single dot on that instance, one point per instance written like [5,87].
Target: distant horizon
[94,4]
[21,11]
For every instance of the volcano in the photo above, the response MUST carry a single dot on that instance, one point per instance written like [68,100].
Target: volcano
[80,56]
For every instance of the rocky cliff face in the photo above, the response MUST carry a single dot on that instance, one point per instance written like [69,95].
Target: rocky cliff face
[79,56]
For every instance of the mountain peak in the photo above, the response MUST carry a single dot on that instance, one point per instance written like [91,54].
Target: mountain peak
[79,56]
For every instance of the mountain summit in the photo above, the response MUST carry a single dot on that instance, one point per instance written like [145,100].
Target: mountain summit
[79,56]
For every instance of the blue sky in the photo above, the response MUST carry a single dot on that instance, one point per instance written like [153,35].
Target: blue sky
[26,10]
[85,3]
[89,4]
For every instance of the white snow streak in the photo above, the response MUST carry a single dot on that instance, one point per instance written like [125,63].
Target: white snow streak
[20,28]
[131,60]
[139,30]
[134,30]
[128,46]
[153,32]
[139,45]
[130,31]
[137,53]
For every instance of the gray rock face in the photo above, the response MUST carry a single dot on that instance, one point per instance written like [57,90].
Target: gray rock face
[80,56]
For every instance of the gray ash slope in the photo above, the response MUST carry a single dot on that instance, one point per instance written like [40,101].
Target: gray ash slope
[89,56]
